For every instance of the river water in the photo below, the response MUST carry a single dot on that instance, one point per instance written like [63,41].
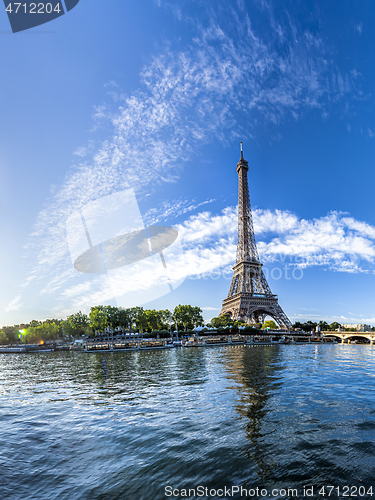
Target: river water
[154,424]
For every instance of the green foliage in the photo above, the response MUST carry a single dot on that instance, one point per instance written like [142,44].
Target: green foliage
[31,336]
[68,329]
[163,334]
[166,318]
[113,316]
[152,319]
[150,335]
[309,326]
[35,323]
[250,330]
[224,320]
[78,320]
[269,324]
[324,326]
[135,318]
[222,329]
[334,325]
[98,318]
[3,338]
[12,333]
[123,318]
[140,317]
[184,318]
[49,330]
[188,316]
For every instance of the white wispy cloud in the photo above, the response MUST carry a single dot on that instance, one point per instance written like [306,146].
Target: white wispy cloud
[169,210]
[14,305]
[335,242]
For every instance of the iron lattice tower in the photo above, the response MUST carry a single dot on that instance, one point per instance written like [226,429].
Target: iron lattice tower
[250,298]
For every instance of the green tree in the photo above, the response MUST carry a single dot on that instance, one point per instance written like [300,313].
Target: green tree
[79,320]
[3,338]
[188,316]
[153,319]
[49,330]
[113,316]
[224,320]
[68,329]
[196,316]
[250,329]
[132,315]
[35,323]
[334,325]
[31,336]
[140,318]
[11,332]
[98,318]
[309,326]
[166,318]
[297,324]
[123,318]
[270,324]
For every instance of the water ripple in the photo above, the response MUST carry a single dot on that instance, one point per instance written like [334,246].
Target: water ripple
[125,425]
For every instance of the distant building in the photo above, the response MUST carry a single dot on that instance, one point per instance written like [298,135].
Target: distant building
[357,327]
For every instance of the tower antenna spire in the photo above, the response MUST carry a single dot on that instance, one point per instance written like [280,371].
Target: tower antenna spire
[250,298]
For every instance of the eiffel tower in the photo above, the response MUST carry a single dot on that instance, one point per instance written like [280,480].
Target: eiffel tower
[250,298]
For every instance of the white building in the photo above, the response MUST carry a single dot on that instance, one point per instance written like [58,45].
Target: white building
[357,327]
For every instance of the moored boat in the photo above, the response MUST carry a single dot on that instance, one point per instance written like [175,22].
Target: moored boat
[10,350]
[193,342]
[122,346]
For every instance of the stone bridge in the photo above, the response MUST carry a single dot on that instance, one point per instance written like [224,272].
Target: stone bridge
[348,336]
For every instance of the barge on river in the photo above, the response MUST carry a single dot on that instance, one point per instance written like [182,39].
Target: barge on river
[227,341]
[139,345]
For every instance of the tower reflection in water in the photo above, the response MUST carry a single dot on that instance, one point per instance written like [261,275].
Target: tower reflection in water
[256,372]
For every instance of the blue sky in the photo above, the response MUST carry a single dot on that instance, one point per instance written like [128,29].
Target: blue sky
[153,97]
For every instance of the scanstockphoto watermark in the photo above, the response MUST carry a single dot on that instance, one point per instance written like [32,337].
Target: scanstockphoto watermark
[288,267]
[285,271]
[109,243]
[28,14]
[307,491]
[237,491]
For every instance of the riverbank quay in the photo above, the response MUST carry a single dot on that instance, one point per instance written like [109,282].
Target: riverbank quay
[129,345]
[32,348]
[157,344]
[140,344]
[270,339]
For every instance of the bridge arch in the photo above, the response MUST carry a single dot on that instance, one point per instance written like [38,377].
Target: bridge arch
[347,336]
